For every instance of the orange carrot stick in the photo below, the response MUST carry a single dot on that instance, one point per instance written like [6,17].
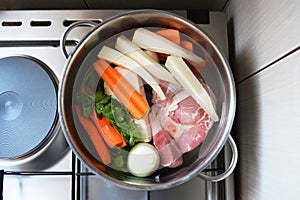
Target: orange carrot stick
[187,45]
[131,99]
[110,134]
[174,36]
[194,66]
[170,34]
[94,135]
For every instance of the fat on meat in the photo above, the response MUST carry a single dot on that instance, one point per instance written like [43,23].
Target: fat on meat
[170,155]
[182,117]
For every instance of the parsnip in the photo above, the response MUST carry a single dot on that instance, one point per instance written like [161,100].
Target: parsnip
[118,58]
[153,55]
[125,46]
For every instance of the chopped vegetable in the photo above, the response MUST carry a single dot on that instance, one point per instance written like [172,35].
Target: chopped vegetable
[117,115]
[187,45]
[143,160]
[144,128]
[187,79]
[114,109]
[142,124]
[153,55]
[131,50]
[131,99]
[154,42]
[124,122]
[118,58]
[171,34]
[119,159]
[94,136]
[110,134]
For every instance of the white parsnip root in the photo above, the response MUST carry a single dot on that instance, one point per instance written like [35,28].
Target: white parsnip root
[118,58]
[125,46]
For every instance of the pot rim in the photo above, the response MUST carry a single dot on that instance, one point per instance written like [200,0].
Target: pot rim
[193,170]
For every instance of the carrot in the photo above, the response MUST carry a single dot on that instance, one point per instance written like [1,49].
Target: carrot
[193,66]
[174,36]
[128,96]
[123,144]
[187,45]
[110,134]
[94,135]
[170,34]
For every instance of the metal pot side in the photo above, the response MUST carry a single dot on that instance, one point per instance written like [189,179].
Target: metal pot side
[223,84]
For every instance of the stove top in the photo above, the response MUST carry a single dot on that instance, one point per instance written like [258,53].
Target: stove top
[35,35]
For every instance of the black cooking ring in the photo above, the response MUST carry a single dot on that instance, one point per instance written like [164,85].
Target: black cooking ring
[40,79]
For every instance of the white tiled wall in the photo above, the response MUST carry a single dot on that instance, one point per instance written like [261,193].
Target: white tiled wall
[265,57]
[263,32]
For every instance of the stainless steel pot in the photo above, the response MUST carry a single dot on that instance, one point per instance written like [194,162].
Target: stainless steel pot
[218,77]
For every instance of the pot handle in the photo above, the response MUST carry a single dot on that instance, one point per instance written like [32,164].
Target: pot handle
[229,169]
[68,30]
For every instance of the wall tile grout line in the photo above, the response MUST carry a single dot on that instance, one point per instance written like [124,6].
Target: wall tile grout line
[269,65]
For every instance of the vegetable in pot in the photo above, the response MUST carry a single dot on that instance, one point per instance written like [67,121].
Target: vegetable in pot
[130,98]
[143,160]
[136,82]
[121,112]
[118,58]
[171,34]
[110,134]
[94,136]
[154,42]
[118,116]
[128,48]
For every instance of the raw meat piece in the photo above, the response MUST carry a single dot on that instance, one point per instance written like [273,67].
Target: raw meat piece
[188,124]
[170,155]
[169,89]
[183,119]
[191,138]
